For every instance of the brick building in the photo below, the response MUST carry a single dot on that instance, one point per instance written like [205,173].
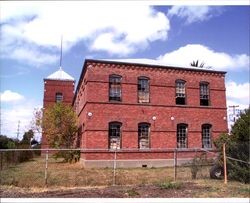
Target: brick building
[143,111]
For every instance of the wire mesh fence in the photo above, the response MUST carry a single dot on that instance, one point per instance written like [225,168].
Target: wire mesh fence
[40,168]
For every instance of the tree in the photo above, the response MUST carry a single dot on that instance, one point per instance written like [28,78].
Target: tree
[202,65]
[60,127]
[36,123]
[27,137]
[237,147]
[7,143]
[196,64]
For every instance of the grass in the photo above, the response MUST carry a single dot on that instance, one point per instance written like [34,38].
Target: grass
[31,175]
[132,192]
[170,185]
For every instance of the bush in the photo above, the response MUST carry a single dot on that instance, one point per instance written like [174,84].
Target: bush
[237,147]
[68,156]
[170,185]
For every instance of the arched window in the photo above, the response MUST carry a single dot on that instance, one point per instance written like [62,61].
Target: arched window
[206,136]
[182,135]
[180,92]
[204,93]
[115,135]
[143,135]
[59,97]
[115,90]
[143,90]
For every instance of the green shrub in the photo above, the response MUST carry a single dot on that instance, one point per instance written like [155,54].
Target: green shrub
[170,185]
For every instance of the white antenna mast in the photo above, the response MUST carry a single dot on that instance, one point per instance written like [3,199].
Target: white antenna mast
[61,53]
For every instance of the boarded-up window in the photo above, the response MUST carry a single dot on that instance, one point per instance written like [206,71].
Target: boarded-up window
[206,136]
[115,135]
[115,90]
[180,92]
[143,135]
[143,90]
[59,97]
[182,135]
[204,94]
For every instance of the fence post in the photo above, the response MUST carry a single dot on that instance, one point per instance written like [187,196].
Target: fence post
[175,164]
[225,163]
[1,160]
[46,167]
[114,169]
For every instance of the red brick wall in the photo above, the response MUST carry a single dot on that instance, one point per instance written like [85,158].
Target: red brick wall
[162,105]
[51,87]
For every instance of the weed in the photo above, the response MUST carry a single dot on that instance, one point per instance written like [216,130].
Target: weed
[132,192]
[170,185]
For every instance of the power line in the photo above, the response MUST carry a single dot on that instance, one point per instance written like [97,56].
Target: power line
[18,130]
[234,114]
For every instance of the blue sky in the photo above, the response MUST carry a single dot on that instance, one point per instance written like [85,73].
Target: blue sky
[31,32]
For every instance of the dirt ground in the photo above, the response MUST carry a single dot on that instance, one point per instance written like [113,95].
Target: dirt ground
[142,191]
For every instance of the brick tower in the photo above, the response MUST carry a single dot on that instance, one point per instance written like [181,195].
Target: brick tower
[58,87]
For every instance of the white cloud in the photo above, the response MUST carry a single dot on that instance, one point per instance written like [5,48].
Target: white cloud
[193,14]
[9,96]
[238,94]
[33,56]
[12,114]
[116,29]
[218,60]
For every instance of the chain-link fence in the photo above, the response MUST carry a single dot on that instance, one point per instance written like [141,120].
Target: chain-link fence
[39,168]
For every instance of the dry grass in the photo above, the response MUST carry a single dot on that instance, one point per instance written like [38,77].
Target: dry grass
[30,175]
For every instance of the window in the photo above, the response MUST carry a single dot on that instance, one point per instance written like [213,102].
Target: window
[143,90]
[180,92]
[143,135]
[204,94]
[59,97]
[206,136]
[115,135]
[115,91]
[182,135]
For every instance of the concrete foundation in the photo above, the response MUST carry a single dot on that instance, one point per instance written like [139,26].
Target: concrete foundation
[147,163]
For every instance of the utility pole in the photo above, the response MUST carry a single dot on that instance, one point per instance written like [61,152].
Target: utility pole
[18,130]
[234,108]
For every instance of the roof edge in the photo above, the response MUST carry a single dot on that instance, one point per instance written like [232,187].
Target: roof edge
[152,65]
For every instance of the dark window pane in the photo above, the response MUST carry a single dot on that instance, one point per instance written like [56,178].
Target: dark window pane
[59,97]
[206,136]
[114,135]
[204,94]
[115,92]
[143,136]
[181,136]
[143,90]
[180,93]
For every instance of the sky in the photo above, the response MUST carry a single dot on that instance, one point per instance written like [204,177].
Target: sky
[30,37]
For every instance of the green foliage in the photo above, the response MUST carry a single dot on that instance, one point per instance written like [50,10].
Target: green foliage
[237,147]
[24,155]
[7,143]
[241,129]
[132,192]
[170,185]
[60,126]
[27,137]
[196,64]
[69,156]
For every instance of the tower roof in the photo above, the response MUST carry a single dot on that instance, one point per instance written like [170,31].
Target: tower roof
[60,75]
